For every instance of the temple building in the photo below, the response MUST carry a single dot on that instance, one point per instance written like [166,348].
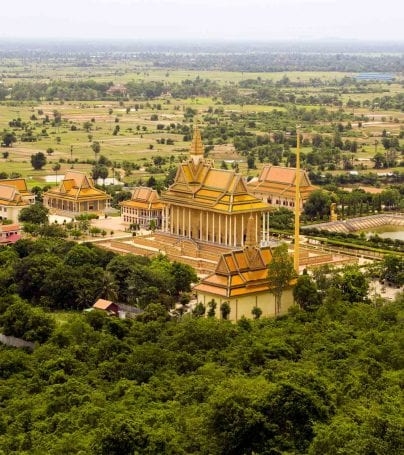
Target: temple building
[240,279]
[144,209]
[14,196]
[276,186]
[75,195]
[205,204]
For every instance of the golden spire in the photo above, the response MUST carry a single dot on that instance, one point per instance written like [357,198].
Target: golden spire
[296,256]
[196,145]
[251,240]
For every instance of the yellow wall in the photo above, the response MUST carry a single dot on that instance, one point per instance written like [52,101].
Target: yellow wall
[242,306]
[11,212]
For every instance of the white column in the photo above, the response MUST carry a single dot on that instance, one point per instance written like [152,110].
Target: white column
[220,228]
[189,223]
[235,231]
[256,227]
[207,226]
[183,221]
[242,230]
[230,230]
[264,234]
[225,235]
[178,220]
[213,227]
[200,225]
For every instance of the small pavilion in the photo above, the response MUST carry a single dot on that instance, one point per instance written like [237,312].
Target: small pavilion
[75,195]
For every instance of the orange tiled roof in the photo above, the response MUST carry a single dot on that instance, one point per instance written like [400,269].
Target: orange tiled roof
[102,304]
[77,186]
[199,184]
[19,184]
[145,198]
[239,272]
[279,180]
[10,196]
[9,227]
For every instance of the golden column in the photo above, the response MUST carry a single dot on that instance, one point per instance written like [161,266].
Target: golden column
[296,255]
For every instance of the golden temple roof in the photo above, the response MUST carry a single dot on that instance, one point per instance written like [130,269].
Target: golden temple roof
[280,181]
[19,183]
[145,198]
[77,186]
[239,272]
[198,184]
[10,195]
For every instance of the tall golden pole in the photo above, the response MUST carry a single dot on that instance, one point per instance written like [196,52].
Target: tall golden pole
[297,203]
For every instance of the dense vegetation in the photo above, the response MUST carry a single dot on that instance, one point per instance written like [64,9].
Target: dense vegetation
[33,270]
[322,380]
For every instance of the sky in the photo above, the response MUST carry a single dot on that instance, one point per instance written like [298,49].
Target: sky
[251,20]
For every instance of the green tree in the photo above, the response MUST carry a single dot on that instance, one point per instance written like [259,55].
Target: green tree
[96,147]
[38,161]
[306,293]
[256,312]
[199,310]
[225,310]
[212,308]
[393,269]
[35,214]
[280,273]
[123,437]
[23,321]
[55,168]
[8,138]
[353,284]
[318,205]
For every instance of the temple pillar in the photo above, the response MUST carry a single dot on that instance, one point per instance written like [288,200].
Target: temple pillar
[225,236]
[178,220]
[242,230]
[220,228]
[200,225]
[213,227]
[189,223]
[207,226]
[256,227]
[235,231]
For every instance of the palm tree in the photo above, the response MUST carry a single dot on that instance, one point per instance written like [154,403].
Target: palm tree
[108,288]
[56,168]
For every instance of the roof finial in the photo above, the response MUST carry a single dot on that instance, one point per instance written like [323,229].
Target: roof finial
[196,145]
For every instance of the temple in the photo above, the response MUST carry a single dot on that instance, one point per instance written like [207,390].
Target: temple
[144,209]
[240,279]
[276,186]
[208,204]
[14,196]
[75,195]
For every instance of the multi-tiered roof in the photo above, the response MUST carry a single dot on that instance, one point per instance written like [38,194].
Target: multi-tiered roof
[281,181]
[199,184]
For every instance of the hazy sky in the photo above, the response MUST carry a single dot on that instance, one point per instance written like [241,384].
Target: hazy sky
[204,19]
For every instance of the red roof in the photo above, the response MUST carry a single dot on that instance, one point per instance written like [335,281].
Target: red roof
[10,239]
[10,227]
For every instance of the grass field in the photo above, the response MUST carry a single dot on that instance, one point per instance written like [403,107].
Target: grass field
[137,139]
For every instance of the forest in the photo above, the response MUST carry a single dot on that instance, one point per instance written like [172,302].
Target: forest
[325,379]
